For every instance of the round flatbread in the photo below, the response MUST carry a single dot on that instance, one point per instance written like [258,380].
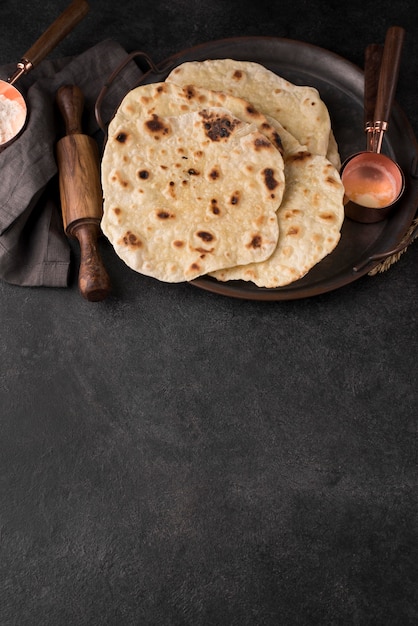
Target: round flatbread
[310,219]
[190,183]
[299,109]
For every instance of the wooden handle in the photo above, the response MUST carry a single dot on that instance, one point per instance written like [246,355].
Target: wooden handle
[389,73]
[59,29]
[372,63]
[81,193]
[93,280]
[70,100]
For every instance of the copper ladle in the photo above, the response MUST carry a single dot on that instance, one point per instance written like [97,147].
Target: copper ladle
[373,182]
[11,98]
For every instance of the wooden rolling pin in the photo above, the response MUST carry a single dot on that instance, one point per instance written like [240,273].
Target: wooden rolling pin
[81,193]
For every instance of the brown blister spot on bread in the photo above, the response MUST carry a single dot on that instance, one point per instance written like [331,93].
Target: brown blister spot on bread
[235,198]
[252,111]
[291,213]
[117,178]
[237,75]
[298,157]
[193,269]
[164,215]
[330,180]
[274,136]
[157,127]
[214,174]
[218,127]
[122,137]
[205,236]
[131,240]
[261,143]
[192,172]
[308,102]
[328,217]
[269,180]
[316,200]
[256,242]
[215,207]
[189,92]
[260,220]
[171,189]
[143,174]
[178,243]
[117,211]
[293,230]
[278,142]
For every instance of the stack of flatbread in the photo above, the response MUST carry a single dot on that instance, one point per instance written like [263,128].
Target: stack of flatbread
[224,169]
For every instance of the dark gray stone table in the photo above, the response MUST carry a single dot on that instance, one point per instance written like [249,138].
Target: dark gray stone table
[174,457]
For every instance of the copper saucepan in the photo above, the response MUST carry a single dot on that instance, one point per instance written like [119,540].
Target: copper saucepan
[373,182]
[13,108]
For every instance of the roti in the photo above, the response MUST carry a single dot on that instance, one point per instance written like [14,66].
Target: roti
[299,109]
[312,212]
[310,219]
[190,183]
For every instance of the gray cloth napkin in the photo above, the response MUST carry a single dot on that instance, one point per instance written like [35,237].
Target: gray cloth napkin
[34,250]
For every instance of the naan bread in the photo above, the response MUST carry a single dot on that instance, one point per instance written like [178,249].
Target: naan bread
[310,219]
[299,109]
[190,183]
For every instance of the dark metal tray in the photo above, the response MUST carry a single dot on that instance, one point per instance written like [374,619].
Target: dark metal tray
[340,84]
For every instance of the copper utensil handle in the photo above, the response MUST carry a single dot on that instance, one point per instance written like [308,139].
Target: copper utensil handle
[389,73]
[81,193]
[372,63]
[59,29]
[113,76]
[399,249]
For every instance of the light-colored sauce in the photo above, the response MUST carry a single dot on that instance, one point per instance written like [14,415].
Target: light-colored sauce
[371,185]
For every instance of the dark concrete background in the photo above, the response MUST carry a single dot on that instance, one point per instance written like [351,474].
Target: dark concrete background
[174,457]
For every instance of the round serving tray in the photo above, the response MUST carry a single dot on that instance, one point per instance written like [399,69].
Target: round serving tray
[340,84]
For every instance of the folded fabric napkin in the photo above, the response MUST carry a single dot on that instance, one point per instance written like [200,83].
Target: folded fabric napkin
[34,251]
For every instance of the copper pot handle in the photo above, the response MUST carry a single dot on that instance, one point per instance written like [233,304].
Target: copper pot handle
[113,76]
[399,249]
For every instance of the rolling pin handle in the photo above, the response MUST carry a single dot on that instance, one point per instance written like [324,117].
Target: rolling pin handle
[93,279]
[70,100]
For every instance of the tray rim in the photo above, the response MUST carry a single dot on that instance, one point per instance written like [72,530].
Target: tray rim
[296,290]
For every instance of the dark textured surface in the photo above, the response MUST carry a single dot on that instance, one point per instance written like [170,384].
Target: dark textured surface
[173,457]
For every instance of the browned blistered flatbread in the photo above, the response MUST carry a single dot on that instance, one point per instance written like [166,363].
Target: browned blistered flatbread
[192,181]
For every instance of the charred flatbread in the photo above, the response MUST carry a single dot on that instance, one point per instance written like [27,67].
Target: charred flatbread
[298,108]
[310,219]
[190,183]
